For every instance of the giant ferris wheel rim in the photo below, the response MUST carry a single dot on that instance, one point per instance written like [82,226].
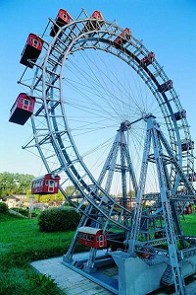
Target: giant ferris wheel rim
[126,51]
[129,54]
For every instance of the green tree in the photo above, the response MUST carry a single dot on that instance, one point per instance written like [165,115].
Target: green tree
[49,197]
[23,182]
[59,197]
[7,183]
[131,194]
[14,183]
[70,190]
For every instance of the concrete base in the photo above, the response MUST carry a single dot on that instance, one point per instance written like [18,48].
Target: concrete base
[133,275]
[138,278]
[74,283]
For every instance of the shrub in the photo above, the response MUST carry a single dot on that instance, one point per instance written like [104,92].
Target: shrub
[3,208]
[58,219]
[16,281]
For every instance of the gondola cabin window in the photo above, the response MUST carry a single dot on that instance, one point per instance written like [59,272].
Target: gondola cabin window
[92,237]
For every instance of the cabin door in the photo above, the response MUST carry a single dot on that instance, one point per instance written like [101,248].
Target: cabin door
[51,186]
[101,241]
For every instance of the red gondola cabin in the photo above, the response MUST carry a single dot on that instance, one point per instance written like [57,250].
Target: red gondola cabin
[165,86]
[22,109]
[46,184]
[180,115]
[92,237]
[32,50]
[192,177]
[123,37]
[148,59]
[61,20]
[188,209]
[95,23]
[187,145]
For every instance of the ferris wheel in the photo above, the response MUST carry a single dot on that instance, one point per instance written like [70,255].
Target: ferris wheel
[95,85]
[96,92]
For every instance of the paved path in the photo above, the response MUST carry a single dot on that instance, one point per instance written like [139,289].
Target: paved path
[68,280]
[74,283]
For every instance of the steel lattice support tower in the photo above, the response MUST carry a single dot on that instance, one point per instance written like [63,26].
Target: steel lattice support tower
[119,147]
[153,137]
[119,150]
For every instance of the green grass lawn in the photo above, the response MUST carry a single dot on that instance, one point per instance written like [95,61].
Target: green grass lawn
[22,237]
[189,224]
[21,242]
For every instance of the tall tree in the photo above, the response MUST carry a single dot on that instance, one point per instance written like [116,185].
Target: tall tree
[14,183]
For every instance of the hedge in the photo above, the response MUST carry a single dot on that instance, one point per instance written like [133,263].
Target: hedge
[58,219]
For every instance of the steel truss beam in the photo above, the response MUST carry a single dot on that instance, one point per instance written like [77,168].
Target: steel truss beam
[110,166]
[156,140]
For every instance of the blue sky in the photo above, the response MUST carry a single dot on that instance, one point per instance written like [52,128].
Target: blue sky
[166,27]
